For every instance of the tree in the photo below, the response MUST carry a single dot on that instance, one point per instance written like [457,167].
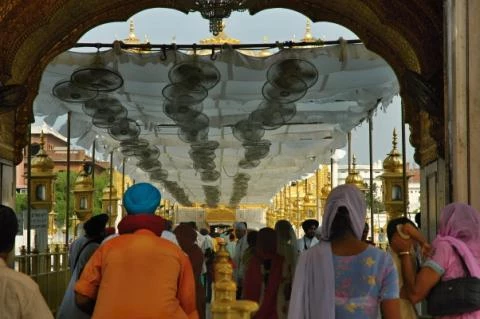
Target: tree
[20,202]
[60,205]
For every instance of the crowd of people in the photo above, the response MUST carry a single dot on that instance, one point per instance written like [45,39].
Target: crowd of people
[151,269]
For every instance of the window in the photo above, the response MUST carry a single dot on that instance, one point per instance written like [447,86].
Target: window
[40,192]
[396,192]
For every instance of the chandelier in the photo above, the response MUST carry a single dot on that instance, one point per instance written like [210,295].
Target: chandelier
[217,10]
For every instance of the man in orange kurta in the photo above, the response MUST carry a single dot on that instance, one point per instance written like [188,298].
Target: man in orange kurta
[138,274]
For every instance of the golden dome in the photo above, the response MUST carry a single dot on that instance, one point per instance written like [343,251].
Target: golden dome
[83,183]
[325,190]
[133,39]
[221,38]
[42,162]
[224,38]
[354,177]
[393,162]
[308,37]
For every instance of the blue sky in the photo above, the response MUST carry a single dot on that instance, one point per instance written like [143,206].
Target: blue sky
[164,25]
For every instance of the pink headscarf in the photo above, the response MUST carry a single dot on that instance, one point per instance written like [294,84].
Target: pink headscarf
[460,227]
[461,221]
[313,291]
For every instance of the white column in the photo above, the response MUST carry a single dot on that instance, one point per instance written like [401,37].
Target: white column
[334,179]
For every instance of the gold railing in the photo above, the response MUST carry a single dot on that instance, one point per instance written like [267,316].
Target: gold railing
[49,269]
[224,303]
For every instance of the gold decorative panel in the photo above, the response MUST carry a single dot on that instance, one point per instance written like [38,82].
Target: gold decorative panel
[220,215]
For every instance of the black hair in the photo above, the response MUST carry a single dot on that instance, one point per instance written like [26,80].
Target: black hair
[341,224]
[95,226]
[392,226]
[8,228]
[252,238]
[203,231]
[168,225]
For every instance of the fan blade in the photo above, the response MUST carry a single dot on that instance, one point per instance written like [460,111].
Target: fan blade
[124,129]
[69,92]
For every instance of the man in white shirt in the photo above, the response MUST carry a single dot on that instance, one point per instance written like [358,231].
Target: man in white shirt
[20,296]
[240,248]
[308,240]
[168,234]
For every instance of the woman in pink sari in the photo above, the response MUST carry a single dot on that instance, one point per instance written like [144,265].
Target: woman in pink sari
[459,229]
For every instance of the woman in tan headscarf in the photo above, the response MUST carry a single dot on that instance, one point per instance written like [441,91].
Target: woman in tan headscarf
[186,237]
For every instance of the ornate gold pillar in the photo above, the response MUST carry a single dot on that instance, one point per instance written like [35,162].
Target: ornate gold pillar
[83,199]
[394,196]
[324,192]
[42,192]
[110,204]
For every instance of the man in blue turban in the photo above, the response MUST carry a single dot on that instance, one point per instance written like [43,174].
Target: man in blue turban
[138,274]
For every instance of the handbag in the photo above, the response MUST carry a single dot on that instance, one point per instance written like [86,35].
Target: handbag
[455,296]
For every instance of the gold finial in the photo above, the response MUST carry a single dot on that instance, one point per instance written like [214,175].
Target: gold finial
[265,39]
[174,39]
[42,140]
[394,141]
[294,38]
[393,162]
[354,177]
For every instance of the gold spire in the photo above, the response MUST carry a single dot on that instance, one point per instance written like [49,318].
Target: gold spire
[133,39]
[42,162]
[354,177]
[393,162]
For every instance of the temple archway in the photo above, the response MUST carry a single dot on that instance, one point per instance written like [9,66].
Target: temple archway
[40,31]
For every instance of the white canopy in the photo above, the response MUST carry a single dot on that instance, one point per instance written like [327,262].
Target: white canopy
[351,82]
